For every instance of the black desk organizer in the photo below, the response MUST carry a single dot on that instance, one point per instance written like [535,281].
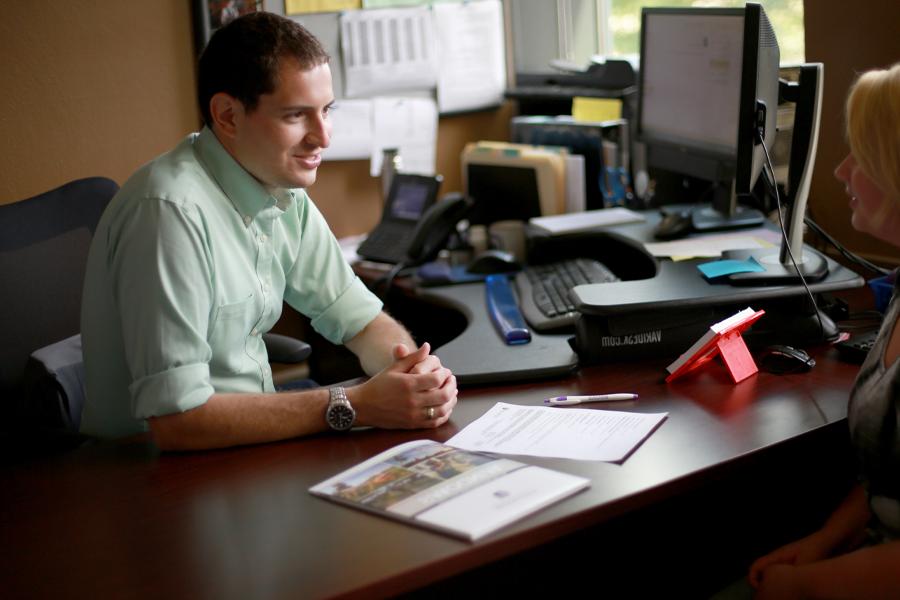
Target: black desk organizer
[659,309]
[664,315]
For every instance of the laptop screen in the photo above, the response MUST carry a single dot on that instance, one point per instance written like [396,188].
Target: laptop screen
[410,198]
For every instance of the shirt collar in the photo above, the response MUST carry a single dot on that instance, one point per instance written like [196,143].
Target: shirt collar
[247,195]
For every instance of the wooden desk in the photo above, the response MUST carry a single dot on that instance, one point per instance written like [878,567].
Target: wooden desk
[123,520]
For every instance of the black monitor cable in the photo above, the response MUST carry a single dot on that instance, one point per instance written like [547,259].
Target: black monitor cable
[784,235]
[382,285]
[852,257]
[818,230]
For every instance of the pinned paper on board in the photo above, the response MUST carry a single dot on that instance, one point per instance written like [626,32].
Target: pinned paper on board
[351,131]
[389,50]
[472,60]
[297,7]
[409,125]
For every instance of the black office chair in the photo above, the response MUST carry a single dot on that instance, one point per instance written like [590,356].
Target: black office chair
[44,244]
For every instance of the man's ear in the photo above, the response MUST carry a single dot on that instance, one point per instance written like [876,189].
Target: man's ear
[225,111]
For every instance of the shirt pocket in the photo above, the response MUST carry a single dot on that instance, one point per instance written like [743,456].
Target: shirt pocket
[228,336]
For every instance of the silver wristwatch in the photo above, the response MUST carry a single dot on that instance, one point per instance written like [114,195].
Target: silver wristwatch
[339,415]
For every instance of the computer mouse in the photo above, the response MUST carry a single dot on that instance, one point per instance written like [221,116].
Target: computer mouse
[493,261]
[674,225]
[781,359]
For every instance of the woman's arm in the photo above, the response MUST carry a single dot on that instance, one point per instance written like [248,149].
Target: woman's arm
[842,531]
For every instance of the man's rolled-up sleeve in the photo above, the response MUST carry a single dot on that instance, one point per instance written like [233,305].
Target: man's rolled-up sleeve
[163,289]
[321,285]
[355,308]
[171,391]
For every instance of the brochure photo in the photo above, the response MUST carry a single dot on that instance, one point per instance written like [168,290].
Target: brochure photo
[466,494]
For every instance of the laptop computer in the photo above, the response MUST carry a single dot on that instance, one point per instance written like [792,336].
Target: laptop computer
[409,198]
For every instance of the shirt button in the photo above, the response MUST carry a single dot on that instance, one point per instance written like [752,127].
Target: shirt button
[263,239]
[254,332]
[247,220]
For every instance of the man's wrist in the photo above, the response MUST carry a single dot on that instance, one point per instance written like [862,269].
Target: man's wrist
[356,397]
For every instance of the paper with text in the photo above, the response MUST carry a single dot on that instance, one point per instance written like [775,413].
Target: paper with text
[351,131]
[586,220]
[297,7]
[580,433]
[472,61]
[389,50]
[714,245]
[410,125]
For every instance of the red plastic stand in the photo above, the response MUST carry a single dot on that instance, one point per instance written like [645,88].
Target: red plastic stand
[728,344]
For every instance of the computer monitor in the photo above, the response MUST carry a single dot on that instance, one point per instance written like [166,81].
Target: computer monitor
[490,187]
[793,263]
[708,91]
[513,181]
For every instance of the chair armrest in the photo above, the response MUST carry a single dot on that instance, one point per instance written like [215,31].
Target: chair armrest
[285,349]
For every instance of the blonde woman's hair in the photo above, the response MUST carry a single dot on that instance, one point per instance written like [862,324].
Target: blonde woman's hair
[873,127]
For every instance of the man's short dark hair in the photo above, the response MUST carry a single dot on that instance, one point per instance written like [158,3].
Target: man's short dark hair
[242,58]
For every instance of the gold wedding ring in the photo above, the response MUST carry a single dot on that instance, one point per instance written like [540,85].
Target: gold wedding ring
[430,413]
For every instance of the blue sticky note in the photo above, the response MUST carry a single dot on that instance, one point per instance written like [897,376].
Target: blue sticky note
[721,268]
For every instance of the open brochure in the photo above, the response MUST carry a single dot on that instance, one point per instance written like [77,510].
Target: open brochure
[462,493]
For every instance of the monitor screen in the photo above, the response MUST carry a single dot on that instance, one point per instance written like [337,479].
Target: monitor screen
[503,192]
[409,199]
[691,72]
[708,88]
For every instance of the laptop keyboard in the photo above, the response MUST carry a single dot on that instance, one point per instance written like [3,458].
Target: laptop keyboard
[544,290]
[388,243]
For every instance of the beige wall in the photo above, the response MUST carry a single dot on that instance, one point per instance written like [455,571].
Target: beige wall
[101,87]
[848,38]
[91,88]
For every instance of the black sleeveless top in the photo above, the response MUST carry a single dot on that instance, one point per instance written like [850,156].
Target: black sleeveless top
[874,420]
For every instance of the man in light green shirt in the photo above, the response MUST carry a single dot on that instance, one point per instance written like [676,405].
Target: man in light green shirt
[194,256]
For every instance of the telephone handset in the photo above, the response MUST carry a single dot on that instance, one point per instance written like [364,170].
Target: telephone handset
[435,227]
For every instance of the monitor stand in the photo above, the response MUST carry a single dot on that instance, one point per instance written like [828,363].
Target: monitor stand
[779,264]
[707,218]
[724,212]
[810,264]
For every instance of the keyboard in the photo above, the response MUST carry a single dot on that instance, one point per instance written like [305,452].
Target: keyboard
[857,347]
[544,290]
[388,242]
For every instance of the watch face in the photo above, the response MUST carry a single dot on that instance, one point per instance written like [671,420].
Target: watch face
[340,417]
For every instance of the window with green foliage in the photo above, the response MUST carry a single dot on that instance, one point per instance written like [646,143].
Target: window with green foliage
[786,16]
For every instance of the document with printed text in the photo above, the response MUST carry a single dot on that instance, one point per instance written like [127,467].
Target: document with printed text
[579,433]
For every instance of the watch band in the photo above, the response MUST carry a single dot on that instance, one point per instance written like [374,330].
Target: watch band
[337,394]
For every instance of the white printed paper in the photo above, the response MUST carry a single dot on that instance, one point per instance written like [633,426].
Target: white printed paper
[472,68]
[579,433]
[351,131]
[582,221]
[386,51]
[409,125]
[714,245]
